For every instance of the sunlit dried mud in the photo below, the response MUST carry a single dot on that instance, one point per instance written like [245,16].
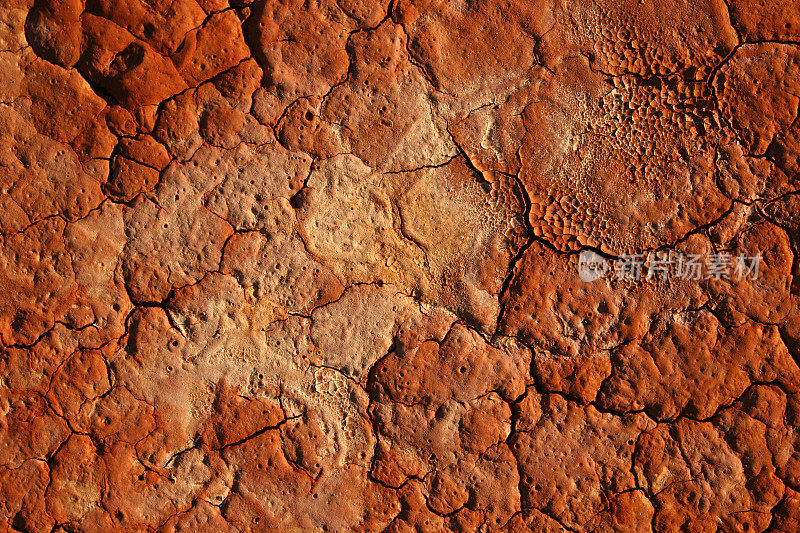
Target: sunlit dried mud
[284,265]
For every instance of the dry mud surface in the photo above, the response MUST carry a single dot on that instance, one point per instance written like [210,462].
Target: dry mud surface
[284,265]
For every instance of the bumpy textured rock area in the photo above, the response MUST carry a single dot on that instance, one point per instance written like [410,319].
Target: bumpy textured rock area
[313,265]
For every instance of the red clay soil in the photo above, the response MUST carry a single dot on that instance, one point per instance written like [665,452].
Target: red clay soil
[321,265]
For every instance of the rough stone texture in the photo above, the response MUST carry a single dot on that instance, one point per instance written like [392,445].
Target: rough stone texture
[283,265]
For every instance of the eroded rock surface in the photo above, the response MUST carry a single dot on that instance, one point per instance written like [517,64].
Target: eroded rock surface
[282,265]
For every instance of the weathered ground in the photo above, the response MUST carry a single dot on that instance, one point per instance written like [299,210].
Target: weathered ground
[284,265]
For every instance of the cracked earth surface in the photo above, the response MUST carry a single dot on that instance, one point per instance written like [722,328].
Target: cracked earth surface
[284,265]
